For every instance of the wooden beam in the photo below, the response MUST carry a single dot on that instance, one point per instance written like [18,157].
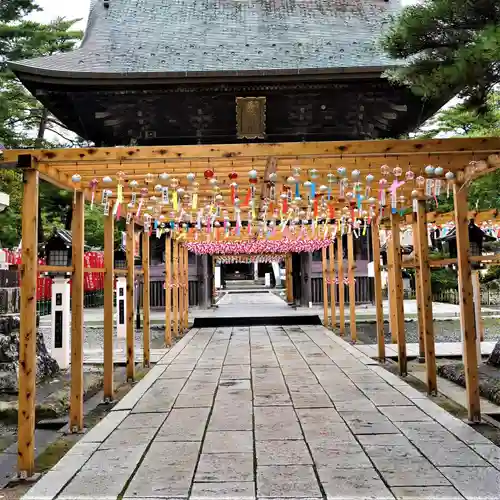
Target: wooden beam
[28,328]
[130,303]
[182,283]
[340,149]
[109,290]
[175,288]
[331,251]
[420,311]
[325,287]
[145,299]
[425,295]
[77,291]
[168,291]
[352,286]
[378,290]
[399,314]
[468,325]
[340,274]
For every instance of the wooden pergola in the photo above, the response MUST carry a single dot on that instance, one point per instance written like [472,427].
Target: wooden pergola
[263,174]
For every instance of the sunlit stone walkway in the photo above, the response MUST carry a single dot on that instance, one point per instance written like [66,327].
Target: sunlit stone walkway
[272,412]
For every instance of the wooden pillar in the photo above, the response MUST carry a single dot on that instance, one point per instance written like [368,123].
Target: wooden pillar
[420,310]
[425,296]
[352,286]
[27,333]
[476,287]
[77,285]
[175,287]
[331,250]
[168,291]
[130,250]
[145,299]
[378,290]
[186,288]
[181,288]
[326,321]
[306,272]
[469,333]
[397,277]
[391,292]
[109,290]
[289,278]
[340,274]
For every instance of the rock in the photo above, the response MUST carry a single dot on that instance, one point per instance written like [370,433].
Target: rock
[494,359]
[46,366]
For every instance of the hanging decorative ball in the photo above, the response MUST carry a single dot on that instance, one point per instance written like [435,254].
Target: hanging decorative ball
[409,175]
[384,169]
[208,174]
[369,178]
[273,177]
[218,197]
[420,180]
[331,178]
[283,196]
[313,173]
[133,183]
[158,187]
[341,171]
[355,175]
[149,178]
[253,180]
[164,176]
[429,170]
[296,172]
[108,192]
[253,174]
[323,188]
[382,183]
[449,176]
[191,177]
[233,176]
[402,199]
[307,184]
[414,194]
[291,180]
[214,182]
[439,171]
[153,198]
[397,171]
[76,178]
[349,195]
[372,201]
[180,190]
[107,179]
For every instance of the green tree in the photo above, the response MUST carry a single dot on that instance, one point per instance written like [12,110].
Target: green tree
[450,47]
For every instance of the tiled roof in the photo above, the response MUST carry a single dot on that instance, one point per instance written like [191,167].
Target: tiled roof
[179,36]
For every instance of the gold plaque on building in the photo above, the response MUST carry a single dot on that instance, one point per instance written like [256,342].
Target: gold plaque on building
[251,117]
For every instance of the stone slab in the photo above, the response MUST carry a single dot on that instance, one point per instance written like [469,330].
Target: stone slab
[276,422]
[228,490]
[228,442]
[474,482]
[184,424]
[287,481]
[356,484]
[287,452]
[225,467]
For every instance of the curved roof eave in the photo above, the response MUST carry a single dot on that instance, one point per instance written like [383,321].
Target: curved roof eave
[23,70]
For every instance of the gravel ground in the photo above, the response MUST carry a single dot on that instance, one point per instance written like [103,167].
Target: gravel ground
[94,337]
[444,331]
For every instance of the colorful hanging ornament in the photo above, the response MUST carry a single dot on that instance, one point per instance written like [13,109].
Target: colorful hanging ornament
[164,177]
[144,193]
[429,183]
[450,177]
[149,178]
[119,194]
[133,197]
[394,187]
[93,186]
[368,182]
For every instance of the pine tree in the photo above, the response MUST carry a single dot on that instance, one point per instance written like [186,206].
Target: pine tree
[450,47]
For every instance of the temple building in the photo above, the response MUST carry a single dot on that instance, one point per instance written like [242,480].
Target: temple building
[173,72]
[160,72]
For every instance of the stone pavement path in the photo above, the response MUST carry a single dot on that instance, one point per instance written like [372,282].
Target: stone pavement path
[274,412]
